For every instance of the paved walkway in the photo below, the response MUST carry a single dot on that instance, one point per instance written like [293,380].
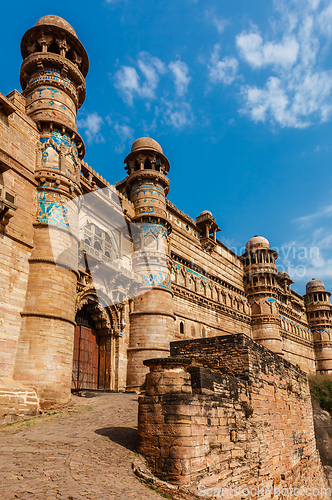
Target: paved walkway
[83,452]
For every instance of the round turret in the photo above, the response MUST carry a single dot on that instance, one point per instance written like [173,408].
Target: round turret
[48,34]
[283,274]
[52,20]
[52,77]
[147,184]
[259,258]
[146,154]
[152,320]
[315,286]
[319,313]
[145,143]
[257,242]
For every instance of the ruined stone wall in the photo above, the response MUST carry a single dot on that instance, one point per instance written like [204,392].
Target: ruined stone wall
[225,412]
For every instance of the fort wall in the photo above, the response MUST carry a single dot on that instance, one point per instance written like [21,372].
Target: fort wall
[225,412]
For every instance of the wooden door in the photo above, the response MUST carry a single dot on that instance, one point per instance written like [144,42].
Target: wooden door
[86,358]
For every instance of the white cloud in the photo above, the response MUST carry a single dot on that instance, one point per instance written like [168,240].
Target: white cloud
[180,72]
[290,100]
[120,130]
[308,219]
[92,125]
[218,22]
[298,90]
[177,114]
[128,82]
[325,20]
[224,70]
[124,132]
[309,254]
[258,54]
[142,82]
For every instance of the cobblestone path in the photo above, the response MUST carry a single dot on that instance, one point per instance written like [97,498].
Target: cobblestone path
[82,452]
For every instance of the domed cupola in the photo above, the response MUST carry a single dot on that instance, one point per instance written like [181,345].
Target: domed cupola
[260,263]
[260,281]
[152,319]
[147,182]
[317,301]
[208,228]
[52,77]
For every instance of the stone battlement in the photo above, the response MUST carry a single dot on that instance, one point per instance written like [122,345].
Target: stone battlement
[226,411]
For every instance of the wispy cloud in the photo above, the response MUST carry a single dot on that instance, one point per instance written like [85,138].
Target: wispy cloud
[298,90]
[142,81]
[92,125]
[181,76]
[130,84]
[178,114]
[218,22]
[223,70]
[309,254]
[309,219]
[258,54]
[121,133]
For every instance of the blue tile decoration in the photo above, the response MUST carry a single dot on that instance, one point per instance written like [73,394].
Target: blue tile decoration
[54,213]
[160,279]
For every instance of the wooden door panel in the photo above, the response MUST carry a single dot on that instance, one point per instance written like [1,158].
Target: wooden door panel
[86,358]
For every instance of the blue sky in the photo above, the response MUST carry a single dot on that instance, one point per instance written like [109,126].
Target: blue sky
[238,94]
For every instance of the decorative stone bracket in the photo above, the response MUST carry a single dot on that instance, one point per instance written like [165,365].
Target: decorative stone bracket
[7,207]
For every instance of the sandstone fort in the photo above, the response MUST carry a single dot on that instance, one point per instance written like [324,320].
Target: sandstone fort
[99,283]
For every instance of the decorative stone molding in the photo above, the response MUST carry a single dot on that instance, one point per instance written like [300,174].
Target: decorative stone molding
[8,205]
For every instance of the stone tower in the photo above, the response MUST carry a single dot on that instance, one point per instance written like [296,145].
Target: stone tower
[54,66]
[152,318]
[261,285]
[319,312]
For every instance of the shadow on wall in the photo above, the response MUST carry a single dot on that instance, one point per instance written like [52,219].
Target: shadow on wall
[124,436]
[323,432]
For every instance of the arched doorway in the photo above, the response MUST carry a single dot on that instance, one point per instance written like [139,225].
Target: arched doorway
[86,352]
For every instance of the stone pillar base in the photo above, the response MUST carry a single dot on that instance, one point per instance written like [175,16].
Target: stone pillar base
[16,402]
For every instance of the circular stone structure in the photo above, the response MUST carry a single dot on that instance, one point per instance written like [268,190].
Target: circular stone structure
[205,212]
[257,242]
[283,273]
[146,143]
[315,286]
[52,20]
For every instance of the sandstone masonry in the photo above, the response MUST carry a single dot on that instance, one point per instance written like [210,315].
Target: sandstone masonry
[226,412]
[162,275]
